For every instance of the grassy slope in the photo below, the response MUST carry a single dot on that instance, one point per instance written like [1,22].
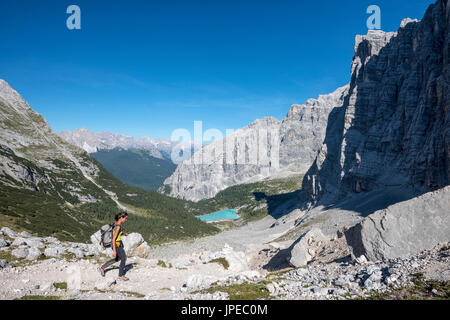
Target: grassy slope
[160,217]
[48,209]
[136,167]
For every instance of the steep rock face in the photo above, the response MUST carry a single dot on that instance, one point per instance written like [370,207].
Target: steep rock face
[394,126]
[303,130]
[35,158]
[225,162]
[404,229]
[265,149]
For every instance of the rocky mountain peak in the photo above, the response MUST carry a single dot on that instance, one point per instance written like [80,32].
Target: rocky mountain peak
[393,128]
[264,122]
[406,21]
[375,39]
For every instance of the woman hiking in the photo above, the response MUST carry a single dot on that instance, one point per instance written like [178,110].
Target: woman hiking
[117,247]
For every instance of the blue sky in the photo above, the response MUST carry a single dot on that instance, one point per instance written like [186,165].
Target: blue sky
[150,67]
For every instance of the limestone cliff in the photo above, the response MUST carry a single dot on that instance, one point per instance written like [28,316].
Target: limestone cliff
[394,126]
[265,149]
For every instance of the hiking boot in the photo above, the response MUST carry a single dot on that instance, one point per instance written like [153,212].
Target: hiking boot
[102,271]
[123,278]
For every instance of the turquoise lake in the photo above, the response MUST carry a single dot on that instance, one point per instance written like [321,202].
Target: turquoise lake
[219,216]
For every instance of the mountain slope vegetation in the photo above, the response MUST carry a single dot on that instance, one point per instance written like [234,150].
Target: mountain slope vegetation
[136,167]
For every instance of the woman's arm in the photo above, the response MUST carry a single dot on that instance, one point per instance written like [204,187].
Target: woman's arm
[115,234]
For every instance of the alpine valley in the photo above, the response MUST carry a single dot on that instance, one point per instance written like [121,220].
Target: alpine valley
[358,207]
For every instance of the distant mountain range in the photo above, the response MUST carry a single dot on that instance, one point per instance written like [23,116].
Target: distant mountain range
[142,162]
[95,141]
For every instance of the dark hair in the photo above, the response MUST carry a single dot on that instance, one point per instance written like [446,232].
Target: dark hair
[120,215]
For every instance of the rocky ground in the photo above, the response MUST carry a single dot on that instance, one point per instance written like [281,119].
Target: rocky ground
[64,270]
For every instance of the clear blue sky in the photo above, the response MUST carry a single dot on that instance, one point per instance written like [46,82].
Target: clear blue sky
[149,67]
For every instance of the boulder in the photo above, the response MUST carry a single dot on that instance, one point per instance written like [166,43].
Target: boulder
[403,229]
[131,242]
[25,234]
[7,231]
[4,264]
[33,254]
[299,257]
[3,243]
[134,245]
[34,243]
[20,253]
[55,251]
[51,240]
[95,239]
[31,242]
[142,251]
[305,247]
[19,241]
[91,250]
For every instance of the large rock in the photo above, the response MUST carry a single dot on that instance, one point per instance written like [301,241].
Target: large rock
[19,241]
[134,245]
[403,229]
[7,231]
[142,251]
[31,242]
[33,254]
[51,240]
[92,250]
[304,249]
[25,234]
[3,243]
[20,253]
[35,243]
[131,242]
[4,264]
[95,239]
[393,129]
[54,251]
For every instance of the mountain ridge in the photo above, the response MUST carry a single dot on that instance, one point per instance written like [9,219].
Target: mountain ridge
[295,139]
[394,127]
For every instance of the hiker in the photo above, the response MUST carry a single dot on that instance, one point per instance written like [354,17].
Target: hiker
[117,247]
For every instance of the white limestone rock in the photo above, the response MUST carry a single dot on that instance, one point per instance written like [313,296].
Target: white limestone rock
[403,229]
[303,249]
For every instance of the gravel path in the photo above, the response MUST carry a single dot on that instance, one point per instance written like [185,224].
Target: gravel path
[244,238]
